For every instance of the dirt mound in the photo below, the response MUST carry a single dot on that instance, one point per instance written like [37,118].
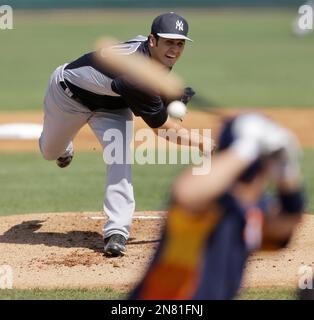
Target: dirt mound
[281,268]
[64,250]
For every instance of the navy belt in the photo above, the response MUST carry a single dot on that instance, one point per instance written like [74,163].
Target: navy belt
[92,101]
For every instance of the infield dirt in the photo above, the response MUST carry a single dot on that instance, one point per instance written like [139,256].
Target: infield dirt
[65,250]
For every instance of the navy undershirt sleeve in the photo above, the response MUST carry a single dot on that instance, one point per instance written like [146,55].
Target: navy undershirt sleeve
[148,106]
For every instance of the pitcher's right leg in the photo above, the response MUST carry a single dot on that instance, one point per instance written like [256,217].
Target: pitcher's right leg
[63,118]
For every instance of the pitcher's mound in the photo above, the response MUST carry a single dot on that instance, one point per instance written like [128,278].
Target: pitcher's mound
[65,250]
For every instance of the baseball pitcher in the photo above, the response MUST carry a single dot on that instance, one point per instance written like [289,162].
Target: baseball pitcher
[83,91]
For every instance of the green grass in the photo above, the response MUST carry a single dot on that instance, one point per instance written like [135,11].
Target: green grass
[61,294]
[308,174]
[268,294]
[238,58]
[30,184]
[108,294]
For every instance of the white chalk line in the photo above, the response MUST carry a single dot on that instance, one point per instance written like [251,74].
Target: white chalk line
[135,217]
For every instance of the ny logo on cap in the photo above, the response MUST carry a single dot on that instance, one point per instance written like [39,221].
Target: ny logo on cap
[179,25]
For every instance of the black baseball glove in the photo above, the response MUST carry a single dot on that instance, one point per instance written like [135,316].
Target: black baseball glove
[187,95]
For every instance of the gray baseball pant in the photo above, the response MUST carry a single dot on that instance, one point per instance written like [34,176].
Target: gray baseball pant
[63,118]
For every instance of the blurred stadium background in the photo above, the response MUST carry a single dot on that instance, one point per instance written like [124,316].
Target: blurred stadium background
[146,3]
[241,56]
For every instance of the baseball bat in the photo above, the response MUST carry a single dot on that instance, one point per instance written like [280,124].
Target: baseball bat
[143,71]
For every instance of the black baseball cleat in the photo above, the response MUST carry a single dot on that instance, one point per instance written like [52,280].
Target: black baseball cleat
[115,245]
[63,162]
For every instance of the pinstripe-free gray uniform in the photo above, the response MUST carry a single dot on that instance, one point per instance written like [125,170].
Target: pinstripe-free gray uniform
[82,92]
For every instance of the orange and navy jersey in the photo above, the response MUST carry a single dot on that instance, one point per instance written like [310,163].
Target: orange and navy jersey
[202,256]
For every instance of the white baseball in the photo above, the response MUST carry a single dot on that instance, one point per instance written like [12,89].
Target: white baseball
[176,109]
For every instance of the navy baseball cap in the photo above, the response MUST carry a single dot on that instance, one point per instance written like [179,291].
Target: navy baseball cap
[171,26]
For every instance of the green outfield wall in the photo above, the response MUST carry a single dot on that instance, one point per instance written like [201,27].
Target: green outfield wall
[24,4]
